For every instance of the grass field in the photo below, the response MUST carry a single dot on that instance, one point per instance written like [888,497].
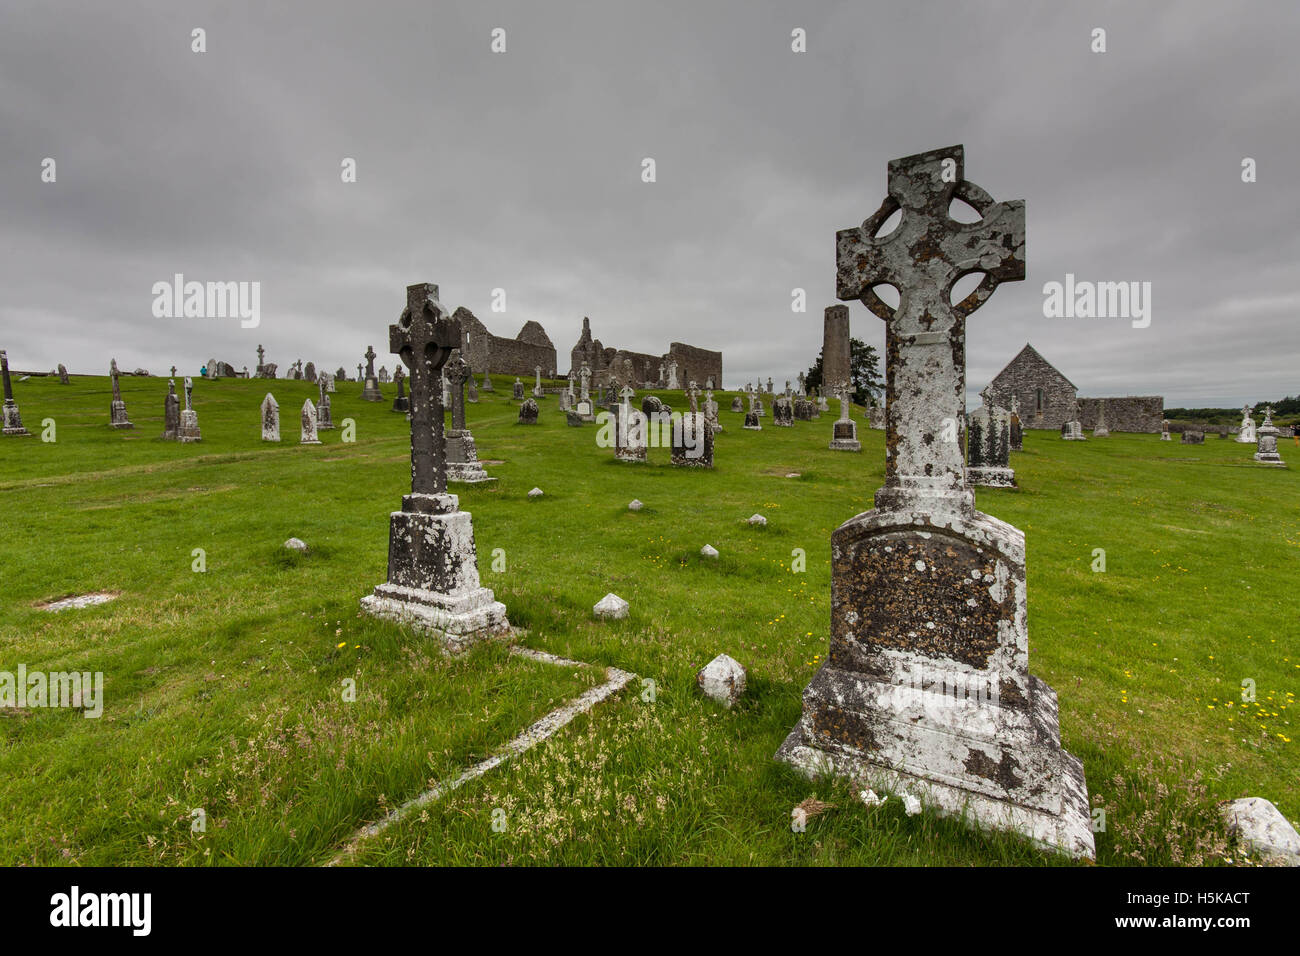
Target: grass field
[223,687]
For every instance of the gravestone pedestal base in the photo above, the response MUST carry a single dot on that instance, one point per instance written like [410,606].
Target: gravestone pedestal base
[1073,431]
[991,476]
[462,459]
[433,583]
[13,421]
[845,437]
[926,688]
[370,392]
[752,422]
[117,416]
[189,427]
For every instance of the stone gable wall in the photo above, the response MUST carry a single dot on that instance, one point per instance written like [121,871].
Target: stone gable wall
[1023,378]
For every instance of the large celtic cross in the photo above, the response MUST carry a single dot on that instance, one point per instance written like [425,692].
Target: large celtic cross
[424,337]
[925,339]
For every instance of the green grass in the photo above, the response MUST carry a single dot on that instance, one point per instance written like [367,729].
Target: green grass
[223,687]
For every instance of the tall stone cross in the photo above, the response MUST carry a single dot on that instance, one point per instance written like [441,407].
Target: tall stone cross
[4,366]
[261,358]
[117,389]
[189,394]
[585,374]
[694,393]
[925,337]
[424,337]
[370,361]
[627,394]
[457,374]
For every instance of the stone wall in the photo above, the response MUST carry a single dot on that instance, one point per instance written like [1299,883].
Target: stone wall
[1132,413]
[695,364]
[490,353]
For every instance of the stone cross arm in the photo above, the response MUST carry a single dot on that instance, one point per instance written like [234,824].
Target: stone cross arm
[929,251]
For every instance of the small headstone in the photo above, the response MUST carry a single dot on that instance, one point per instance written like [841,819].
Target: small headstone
[988,446]
[1190,437]
[270,418]
[383,375]
[340,375]
[634,505]
[751,417]
[528,412]
[692,440]
[1017,432]
[370,390]
[610,608]
[1262,829]
[782,412]
[297,544]
[309,372]
[1099,430]
[737,405]
[1164,431]
[487,383]
[1266,444]
[709,551]
[171,414]
[117,410]
[324,415]
[462,456]
[722,679]
[536,493]
[1072,430]
[844,434]
[518,390]
[309,436]
[189,426]
[572,419]
[329,382]
[1246,434]
[64,380]
[13,420]
[401,403]
[630,434]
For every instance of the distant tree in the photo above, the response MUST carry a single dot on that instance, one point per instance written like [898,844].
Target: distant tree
[864,371]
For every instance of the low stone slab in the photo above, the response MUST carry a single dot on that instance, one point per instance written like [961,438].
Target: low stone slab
[610,608]
[722,679]
[1261,828]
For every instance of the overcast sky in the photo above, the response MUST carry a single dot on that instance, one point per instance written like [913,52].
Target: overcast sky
[522,170]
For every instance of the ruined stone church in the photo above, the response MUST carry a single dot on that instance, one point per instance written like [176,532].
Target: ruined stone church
[702,366]
[1047,398]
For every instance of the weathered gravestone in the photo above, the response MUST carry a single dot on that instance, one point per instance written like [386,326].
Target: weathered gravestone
[487,382]
[171,414]
[270,418]
[329,381]
[401,403]
[518,390]
[63,375]
[737,404]
[751,417]
[189,420]
[433,581]
[692,437]
[537,385]
[462,456]
[1247,434]
[1164,431]
[1099,429]
[1017,431]
[309,423]
[1266,448]
[13,419]
[844,436]
[528,412]
[782,413]
[383,375]
[805,410]
[927,688]
[630,439]
[711,412]
[340,375]
[261,359]
[988,446]
[370,389]
[309,372]
[1193,436]
[471,390]
[117,409]
[324,413]
[1072,430]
